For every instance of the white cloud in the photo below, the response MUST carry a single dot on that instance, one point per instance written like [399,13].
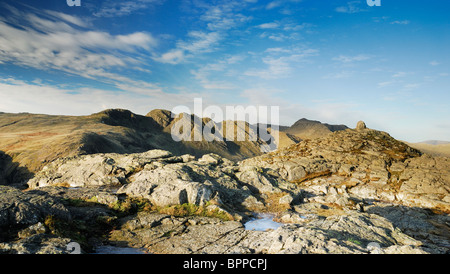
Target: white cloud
[351,59]
[272,25]
[297,27]
[219,19]
[42,43]
[400,74]
[224,16]
[351,7]
[280,62]
[37,97]
[200,41]
[386,83]
[204,76]
[411,86]
[69,18]
[123,8]
[173,57]
[402,22]
[213,76]
[274,4]
[434,63]
[340,75]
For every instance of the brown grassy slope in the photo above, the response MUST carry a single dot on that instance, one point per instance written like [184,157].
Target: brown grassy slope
[433,150]
[33,140]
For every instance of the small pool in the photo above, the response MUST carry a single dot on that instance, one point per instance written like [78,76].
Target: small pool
[262,222]
[109,249]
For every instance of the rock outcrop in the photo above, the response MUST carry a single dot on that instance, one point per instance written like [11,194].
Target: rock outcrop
[167,180]
[361,125]
[352,191]
[369,164]
[340,234]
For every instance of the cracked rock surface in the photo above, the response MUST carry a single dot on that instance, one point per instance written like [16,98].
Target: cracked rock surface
[352,191]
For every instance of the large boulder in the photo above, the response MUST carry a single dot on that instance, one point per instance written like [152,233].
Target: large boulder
[19,209]
[361,125]
[95,170]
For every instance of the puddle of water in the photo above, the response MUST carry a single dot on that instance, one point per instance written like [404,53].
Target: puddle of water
[109,249]
[262,222]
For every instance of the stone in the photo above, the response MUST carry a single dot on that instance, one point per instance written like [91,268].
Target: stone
[360,125]
[291,217]
[19,209]
[286,200]
[256,178]
[37,244]
[95,170]
[211,158]
[187,158]
[37,228]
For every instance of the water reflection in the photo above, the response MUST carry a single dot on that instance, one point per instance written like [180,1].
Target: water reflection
[262,222]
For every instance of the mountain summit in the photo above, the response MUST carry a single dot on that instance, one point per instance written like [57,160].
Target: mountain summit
[310,129]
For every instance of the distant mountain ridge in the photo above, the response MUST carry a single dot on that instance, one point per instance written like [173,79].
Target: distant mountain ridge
[311,129]
[434,148]
[30,141]
[435,142]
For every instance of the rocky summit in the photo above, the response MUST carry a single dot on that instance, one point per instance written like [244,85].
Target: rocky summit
[350,191]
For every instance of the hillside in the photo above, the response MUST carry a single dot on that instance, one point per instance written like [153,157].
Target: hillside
[436,148]
[30,141]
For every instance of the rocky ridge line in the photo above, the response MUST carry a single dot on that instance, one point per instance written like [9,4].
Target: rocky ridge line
[336,194]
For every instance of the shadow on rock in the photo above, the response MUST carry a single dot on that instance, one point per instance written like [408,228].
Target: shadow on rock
[11,173]
[431,228]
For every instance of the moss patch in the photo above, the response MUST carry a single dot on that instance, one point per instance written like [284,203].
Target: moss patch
[188,209]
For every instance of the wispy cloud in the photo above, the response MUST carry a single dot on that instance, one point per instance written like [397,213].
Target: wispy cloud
[200,41]
[274,4]
[351,7]
[280,3]
[351,59]
[400,74]
[195,43]
[386,83]
[218,19]
[411,86]
[280,62]
[173,57]
[272,25]
[284,30]
[207,74]
[434,63]
[38,97]
[122,8]
[340,75]
[402,22]
[67,45]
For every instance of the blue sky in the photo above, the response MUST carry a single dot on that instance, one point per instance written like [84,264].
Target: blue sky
[334,61]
